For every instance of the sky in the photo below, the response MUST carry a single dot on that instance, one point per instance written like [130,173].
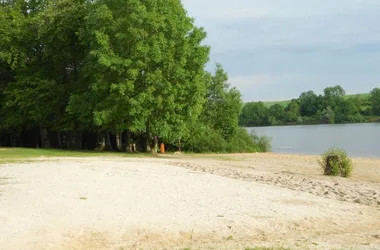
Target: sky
[277,49]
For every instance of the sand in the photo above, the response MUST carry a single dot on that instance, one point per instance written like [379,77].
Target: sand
[177,202]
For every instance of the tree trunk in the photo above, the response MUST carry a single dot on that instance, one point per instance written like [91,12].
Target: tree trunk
[79,140]
[64,143]
[118,141]
[155,145]
[68,139]
[73,139]
[148,141]
[45,141]
[21,140]
[128,147]
[101,141]
[37,140]
[59,140]
[108,141]
[11,141]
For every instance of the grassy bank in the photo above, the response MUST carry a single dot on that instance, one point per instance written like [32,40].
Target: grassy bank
[285,103]
[18,154]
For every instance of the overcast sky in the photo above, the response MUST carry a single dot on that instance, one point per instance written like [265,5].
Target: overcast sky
[276,49]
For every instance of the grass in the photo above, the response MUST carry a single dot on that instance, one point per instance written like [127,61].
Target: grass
[362,96]
[335,162]
[286,102]
[9,155]
[14,155]
[282,103]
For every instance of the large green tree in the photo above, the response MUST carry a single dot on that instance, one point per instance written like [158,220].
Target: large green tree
[308,102]
[277,114]
[375,101]
[334,96]
[223,105]
[145,67]
[254,114]
[43,50]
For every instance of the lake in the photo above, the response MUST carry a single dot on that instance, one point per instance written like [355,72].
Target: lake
[359,140]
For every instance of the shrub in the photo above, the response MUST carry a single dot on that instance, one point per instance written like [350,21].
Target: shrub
[263,143]
[205,140]
[335,162]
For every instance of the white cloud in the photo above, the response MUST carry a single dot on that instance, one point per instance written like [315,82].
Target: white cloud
[269,46]
[225,9]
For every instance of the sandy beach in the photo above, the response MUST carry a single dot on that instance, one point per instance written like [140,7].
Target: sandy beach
[183,201]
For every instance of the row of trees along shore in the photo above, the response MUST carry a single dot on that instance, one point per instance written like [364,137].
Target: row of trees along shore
[331,107]
[103,74]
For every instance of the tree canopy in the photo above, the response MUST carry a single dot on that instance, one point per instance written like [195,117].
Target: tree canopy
[331,107]
[108,73]
[375,101]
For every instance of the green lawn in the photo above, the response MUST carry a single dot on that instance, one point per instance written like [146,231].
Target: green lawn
[17,154]
[282,103]
[362,96]
[286,102]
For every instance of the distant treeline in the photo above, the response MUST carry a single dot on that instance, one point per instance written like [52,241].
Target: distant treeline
[107,74]
[331,107]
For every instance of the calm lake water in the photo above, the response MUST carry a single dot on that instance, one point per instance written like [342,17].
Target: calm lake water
[359,140]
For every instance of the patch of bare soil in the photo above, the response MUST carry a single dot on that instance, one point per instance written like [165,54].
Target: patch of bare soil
[216,202]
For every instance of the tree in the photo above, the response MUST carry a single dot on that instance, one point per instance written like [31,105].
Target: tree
[223,104]
[375,101]
[254,114]
[328,115]
[349,108]
[334,96]
[358,101]
[292,111]
[277,113]
[145,67]
[43,50]
[334,92]
[348,112]
[308,103]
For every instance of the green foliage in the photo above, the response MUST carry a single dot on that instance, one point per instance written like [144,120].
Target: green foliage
[223,105]
[292,111]
[211,140]
[363,97]
[328,115]
[110,66]
[282,103]
[375,101]
[254,114]
[277,114]
[218,129]
[332,107]
[147,74]
[308,103]
[335,162]
[263,143]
